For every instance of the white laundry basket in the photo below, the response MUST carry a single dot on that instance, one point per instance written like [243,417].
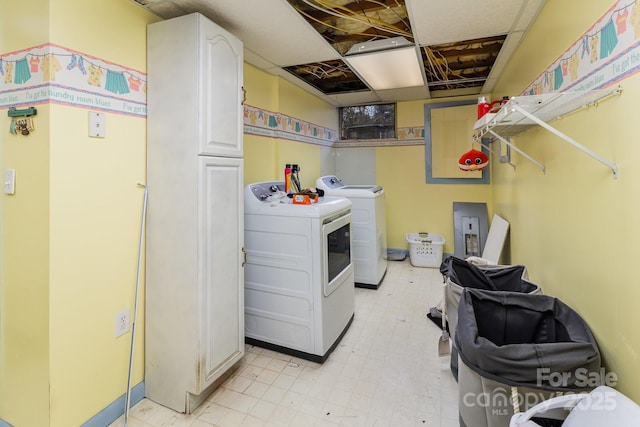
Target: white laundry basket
[425,249]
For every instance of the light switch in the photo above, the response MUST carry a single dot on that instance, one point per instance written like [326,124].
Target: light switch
[10,181]
[96,124]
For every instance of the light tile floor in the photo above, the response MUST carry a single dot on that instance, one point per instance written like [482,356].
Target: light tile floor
[385,372]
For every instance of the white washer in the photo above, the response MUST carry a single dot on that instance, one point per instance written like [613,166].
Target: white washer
[369,228]
[299,285]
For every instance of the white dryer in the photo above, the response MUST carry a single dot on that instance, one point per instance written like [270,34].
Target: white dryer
[369,228]
[299,285]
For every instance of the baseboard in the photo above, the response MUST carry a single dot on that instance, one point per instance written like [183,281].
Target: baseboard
[111,413]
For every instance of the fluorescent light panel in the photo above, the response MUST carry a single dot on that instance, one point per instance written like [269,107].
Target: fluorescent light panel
[388,69]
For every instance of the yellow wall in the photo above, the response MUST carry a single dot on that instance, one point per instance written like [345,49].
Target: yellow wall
[24,286]
[24,282]
[95,220]
[573,226]
[298,103]
[260,152]
[113,30]
[412,205]
[264,157]
[70,233]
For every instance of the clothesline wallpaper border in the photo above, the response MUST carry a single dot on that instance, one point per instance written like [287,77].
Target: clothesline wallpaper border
[605,54]
[271,124]
[50,73]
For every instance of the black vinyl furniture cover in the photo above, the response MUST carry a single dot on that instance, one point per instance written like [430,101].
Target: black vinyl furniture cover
[490,278]
[460,274]
[509,337]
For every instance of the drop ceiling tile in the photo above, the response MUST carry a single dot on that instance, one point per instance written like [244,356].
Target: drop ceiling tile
[446,21]
[272,28]
[276,36]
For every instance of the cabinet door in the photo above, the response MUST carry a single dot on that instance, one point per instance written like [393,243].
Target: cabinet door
[222,93]
[220,257]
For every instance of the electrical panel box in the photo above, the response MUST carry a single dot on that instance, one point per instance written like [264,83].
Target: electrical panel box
[470,228]
[471,232]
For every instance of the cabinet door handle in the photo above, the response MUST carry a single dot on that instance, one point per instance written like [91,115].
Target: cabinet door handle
[244,257]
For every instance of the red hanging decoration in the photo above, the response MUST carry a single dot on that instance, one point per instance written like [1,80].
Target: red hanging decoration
[473,160]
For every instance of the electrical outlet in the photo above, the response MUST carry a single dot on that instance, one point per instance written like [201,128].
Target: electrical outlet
[122,322]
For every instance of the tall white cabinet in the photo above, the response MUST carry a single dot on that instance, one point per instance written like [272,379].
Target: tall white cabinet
[194,326]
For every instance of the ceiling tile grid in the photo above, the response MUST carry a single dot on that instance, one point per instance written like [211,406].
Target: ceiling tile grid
[462,45]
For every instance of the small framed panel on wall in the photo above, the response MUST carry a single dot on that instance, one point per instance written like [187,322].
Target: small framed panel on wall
[448,133]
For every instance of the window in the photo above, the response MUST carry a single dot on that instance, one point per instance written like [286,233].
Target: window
[368,121]
[448,132]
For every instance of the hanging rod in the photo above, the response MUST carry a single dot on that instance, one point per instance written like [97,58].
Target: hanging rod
[494,153]
[571,141]
[522,112]
[525,155]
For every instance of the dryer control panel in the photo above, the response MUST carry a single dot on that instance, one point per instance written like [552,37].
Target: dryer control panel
[264,191]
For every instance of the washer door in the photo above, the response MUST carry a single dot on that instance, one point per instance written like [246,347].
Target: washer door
[336,249]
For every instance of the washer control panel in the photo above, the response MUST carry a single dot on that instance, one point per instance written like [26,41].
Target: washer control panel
[332,181]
